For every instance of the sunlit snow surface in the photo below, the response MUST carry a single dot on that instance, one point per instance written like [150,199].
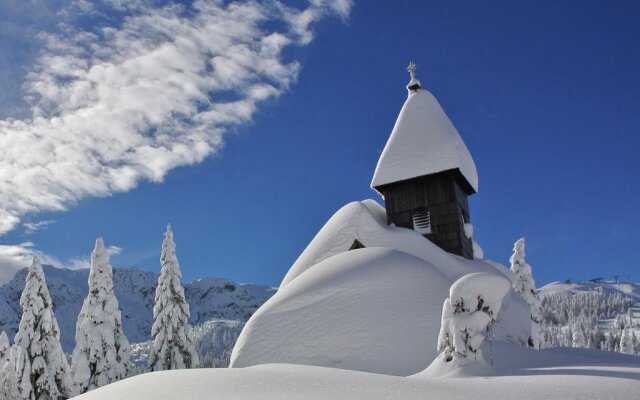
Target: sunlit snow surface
[375,309]
[519,373]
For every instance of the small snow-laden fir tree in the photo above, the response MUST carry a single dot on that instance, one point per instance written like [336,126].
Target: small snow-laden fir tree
[526,286]
[626,342]
[102,351]
[5,349]
[172,346]
[578,339]
[468,314]
[9,378]
[41,367]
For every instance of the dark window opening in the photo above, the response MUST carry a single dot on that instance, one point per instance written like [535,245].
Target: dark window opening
[356,245]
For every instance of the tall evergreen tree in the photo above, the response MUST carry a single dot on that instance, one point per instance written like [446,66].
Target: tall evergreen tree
[40,364]
[102,351]
[525,285]
[172,346]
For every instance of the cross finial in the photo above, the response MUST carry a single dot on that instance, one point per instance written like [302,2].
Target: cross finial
[414,83]
[412,69]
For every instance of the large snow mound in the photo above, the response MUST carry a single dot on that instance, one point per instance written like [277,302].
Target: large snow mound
[423,141]
[525,374]
[369,309]
[375,309]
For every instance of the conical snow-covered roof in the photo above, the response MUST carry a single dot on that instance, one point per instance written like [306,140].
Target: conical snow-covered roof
[423,142]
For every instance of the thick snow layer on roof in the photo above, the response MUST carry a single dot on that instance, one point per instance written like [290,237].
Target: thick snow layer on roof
[375,309]
[423,141]
[366,221]
[518,373]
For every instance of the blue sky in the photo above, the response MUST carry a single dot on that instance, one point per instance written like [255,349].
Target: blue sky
[545,95]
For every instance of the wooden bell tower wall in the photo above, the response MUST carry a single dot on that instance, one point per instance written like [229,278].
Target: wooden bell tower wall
[444,195]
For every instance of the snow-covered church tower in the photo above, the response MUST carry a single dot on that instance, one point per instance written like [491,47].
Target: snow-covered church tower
[425,173]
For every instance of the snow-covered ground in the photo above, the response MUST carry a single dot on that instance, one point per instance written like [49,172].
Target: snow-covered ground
[375,309]
[519,373]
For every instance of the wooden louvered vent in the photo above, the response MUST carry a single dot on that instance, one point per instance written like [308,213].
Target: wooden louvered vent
[422,221]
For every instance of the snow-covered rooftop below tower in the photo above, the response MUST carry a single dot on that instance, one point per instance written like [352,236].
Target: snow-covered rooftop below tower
[423,142]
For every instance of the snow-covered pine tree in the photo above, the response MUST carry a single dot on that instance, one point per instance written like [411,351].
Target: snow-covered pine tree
[626,342]
[5,349]
[525,285]
[468,314]
[9,379]
[578,338]
[172,346]
[40,364]
[102,351]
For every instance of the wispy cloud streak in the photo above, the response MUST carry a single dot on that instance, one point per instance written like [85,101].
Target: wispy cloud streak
[129,102]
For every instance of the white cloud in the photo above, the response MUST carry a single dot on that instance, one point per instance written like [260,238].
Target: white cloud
[15,257]
[132,101]
[18,256]
[79,263]
[114,250]
[33,227]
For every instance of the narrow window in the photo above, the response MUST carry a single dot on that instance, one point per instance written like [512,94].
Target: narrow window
[422,220]
[356,245]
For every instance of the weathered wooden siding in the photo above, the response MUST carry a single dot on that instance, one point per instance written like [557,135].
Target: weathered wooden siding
[445,196]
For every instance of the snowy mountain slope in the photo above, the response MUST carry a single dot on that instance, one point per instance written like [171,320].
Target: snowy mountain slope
[375,309]
[209,298]
[214,341]
[597,315]
[521,373]
[626,289]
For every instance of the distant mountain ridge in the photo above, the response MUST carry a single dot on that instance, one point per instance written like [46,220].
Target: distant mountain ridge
[628,289]
[209,298]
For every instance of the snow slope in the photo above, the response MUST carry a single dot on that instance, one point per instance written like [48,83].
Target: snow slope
[520,373]
[592,314]
[626,289]
[214,341]
[209,298]
[375,309]
[358,310]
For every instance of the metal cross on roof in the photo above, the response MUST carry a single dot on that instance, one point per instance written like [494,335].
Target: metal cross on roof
[412,69]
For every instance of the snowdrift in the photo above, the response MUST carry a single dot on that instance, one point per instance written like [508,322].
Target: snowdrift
[525,374]
[375,309]
[370,309]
